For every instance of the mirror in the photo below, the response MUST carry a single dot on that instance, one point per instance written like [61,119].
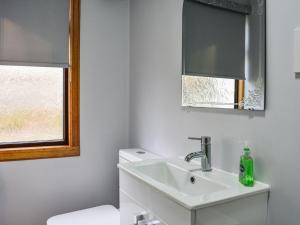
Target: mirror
[224,54]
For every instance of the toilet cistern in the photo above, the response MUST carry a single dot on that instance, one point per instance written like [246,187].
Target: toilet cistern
[204,153]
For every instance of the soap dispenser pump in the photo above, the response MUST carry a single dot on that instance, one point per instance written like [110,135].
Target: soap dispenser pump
[246,175]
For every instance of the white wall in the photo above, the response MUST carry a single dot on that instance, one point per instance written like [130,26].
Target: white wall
[32,191]
[158,123]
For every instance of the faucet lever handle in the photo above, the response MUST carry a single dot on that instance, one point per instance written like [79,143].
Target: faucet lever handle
[203,139]
[195,138]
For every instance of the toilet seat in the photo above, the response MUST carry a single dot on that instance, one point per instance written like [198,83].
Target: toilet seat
[101,215]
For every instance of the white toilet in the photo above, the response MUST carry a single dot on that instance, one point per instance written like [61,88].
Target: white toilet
[105,214]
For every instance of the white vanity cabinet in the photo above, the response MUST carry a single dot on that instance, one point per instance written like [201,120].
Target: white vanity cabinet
[137,196]
[131,208]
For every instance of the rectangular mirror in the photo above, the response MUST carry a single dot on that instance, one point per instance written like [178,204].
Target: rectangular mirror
[223,54]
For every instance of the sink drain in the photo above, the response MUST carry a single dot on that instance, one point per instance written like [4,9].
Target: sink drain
[193,180]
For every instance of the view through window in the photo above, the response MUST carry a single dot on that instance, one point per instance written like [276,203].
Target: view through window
[31,104]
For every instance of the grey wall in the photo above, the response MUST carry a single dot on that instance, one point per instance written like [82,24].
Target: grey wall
[158,123]
[32,191]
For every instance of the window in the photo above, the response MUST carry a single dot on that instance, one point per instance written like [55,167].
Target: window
[208,92]
[39,105]
[32,109]
[212,92]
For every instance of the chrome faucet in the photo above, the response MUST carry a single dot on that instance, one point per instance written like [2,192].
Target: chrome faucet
[204,154]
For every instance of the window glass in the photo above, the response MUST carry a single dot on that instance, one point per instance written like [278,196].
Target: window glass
[31,104]
[208,92]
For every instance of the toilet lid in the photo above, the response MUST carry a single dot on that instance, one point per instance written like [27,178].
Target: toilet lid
[102,215]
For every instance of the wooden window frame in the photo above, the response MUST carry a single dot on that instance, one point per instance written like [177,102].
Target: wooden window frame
[72,147]
[239,94]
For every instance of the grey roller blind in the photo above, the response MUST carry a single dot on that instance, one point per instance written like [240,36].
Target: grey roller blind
[34,32]
[213,41]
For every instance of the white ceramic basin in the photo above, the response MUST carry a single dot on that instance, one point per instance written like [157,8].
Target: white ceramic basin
[179,179]
[173,178]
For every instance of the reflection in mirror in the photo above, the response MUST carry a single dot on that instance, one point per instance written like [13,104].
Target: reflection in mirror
[223,55]
[208,92]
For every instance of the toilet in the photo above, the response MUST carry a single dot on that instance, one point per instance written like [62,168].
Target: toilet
[105,214]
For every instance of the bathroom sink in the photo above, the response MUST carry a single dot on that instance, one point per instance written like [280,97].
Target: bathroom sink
[193,190]
[181,180]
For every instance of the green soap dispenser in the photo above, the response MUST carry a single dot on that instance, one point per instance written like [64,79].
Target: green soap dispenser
[246,175]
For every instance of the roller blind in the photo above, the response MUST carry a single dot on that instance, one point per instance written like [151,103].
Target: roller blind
[213,41]
[34,32]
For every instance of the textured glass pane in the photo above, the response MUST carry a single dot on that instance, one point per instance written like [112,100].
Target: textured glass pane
[31,104]
[208,92]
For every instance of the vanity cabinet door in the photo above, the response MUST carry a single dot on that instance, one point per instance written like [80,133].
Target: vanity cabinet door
[129,209]
[137,196]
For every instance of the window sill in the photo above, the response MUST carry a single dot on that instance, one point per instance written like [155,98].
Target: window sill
[13,154]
